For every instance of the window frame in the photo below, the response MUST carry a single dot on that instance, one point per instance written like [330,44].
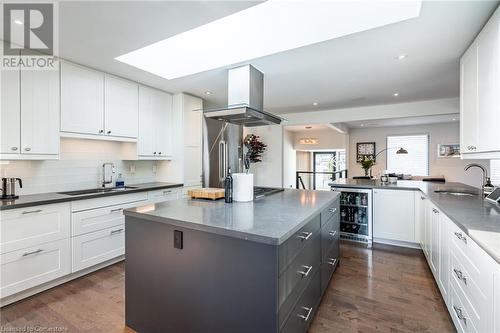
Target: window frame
[409,134]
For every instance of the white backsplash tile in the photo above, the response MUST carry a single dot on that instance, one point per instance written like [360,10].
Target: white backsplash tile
[80,167]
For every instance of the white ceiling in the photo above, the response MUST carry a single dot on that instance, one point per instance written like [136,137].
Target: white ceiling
[354,70]
[407,121]
[301,128]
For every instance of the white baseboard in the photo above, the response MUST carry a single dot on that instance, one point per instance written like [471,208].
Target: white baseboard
[397,243]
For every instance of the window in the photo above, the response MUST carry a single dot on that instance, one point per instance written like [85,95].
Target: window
[416,162]
[495,172]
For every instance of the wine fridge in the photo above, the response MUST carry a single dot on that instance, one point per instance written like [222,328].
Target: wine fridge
[356,214]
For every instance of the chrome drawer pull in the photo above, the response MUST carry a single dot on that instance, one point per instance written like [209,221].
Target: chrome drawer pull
[305,235]
[460,275]
[306,273]
[459,313]
[332,262]
[116,231]
[422,198]
[332,210]
[167,192]
[332,233]
[306,317]
[32,211]
[461,237]
[25,254]
[435,211]
[116,210]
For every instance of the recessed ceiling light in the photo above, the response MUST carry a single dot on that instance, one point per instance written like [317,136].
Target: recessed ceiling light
[362,125]
[18,22]
[208,93]
[309,127]
[315,103]
[396,94]
[401,56]
[282,26]
[454,119]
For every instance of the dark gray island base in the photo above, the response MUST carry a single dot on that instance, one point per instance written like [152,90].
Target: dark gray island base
[241,267]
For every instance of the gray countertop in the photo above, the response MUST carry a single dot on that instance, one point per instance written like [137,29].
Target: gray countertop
[48,198]
[479,218]
[271,220]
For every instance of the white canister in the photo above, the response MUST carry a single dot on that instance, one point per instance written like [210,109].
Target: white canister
[242,187]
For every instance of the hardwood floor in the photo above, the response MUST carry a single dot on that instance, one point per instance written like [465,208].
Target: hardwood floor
[386,289]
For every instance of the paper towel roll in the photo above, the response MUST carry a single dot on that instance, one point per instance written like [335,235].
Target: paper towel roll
[242,187]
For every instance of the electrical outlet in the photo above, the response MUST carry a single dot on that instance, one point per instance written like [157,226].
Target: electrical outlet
[154,168]
[132,168]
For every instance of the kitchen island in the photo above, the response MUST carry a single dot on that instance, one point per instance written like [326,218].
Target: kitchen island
[208,266]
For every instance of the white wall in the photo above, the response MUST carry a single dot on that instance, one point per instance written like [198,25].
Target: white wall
[80,167]
[269,172]
[289,160]
[451,168]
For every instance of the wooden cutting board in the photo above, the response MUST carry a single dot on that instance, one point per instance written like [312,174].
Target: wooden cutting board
[206,193]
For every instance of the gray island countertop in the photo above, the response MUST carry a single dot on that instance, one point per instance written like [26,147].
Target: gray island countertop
[479,218]
[271,219]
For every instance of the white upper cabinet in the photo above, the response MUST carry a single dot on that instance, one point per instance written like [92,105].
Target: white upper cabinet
[155,124]
[82,100]
[29,112]
[121,105]
[394,215]
[10,115]
[40,112]
[480,93]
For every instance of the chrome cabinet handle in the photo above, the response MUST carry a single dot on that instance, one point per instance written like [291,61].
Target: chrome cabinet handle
[13,148]
[306,272]
[305,235]
[101,131]
[422,198]
[332,261]
[32,211]
[332,210]
[109,132]
[460,314]
[116,210]
[27,149]
[25,254]
[460,275]
[167,192]
[461,237]
[159,153]
[332,233]
[306,317]
[116,231]
[435,211]
[154,153]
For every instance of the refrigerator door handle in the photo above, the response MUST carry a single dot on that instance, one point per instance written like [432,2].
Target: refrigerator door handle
[222,160]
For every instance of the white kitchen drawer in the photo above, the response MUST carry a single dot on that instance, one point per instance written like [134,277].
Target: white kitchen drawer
[97,219]
[463,315]
[163,195]
[30,267]
[25,227]
[475,285]
[80,205]
[96,247]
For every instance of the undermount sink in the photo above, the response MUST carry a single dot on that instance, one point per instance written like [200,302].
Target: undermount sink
[457,193]
[98,190]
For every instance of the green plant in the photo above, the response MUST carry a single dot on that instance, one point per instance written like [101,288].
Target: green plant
[366,163]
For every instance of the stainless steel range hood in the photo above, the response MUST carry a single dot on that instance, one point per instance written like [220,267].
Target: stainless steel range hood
[245,99]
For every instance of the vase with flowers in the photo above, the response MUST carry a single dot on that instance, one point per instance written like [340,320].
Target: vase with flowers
[366,163]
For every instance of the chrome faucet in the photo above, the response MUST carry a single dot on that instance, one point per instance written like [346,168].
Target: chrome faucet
[486,182]
[105,181]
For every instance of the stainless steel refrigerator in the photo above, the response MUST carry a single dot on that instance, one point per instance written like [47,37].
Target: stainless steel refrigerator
[222,149]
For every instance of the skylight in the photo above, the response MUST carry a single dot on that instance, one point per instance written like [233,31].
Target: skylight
[268,28]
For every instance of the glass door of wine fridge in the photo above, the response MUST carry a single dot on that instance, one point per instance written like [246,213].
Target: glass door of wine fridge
[356,215]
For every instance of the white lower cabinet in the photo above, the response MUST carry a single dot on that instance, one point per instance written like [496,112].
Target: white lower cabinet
[32,266]
[464,273]
[96,247]
[394,215]
[163,195]
[26,227]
